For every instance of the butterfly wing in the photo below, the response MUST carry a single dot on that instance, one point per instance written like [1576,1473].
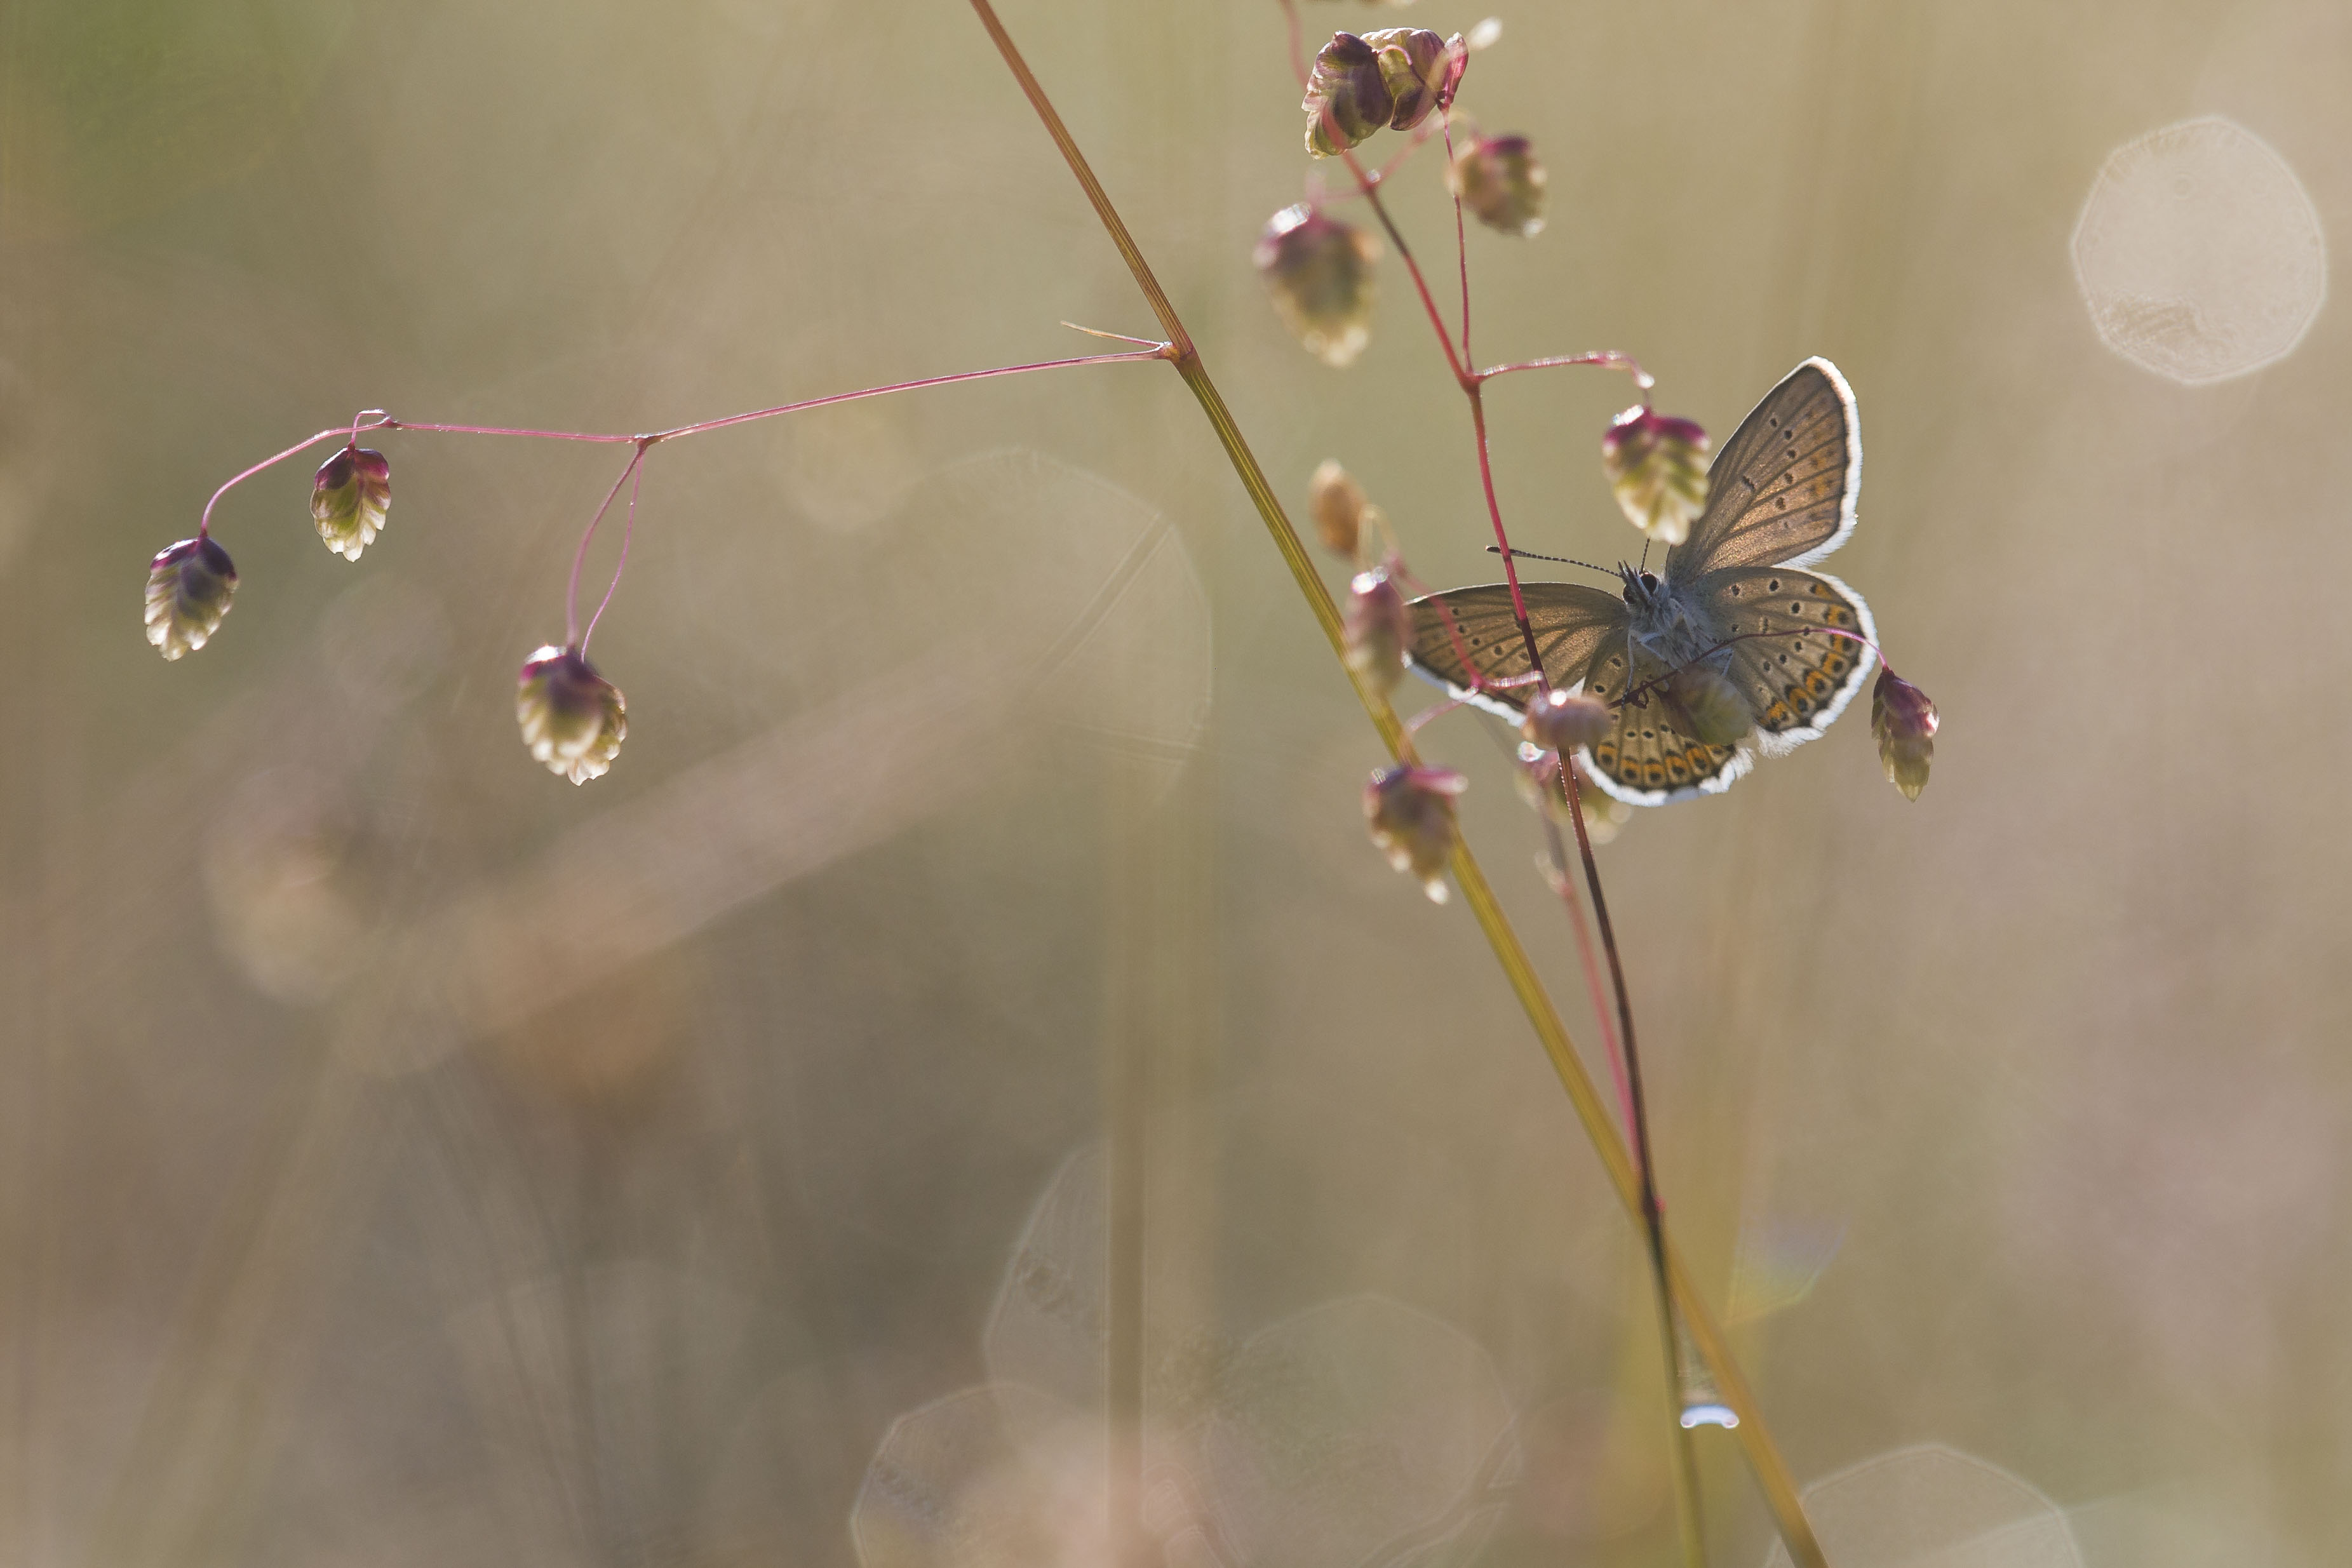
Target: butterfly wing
[1650,756]
[1781,491]
[1469,631]
[1795,676]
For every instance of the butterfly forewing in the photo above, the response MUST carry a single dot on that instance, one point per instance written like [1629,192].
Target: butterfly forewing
[1795,660]
[1781,491]
[1472,632]
[1650,756]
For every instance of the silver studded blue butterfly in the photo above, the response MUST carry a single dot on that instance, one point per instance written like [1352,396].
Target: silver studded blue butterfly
[1734,595]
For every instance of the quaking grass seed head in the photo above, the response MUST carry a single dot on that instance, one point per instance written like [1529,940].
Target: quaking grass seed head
[574,719]
[1410,813]
[1657,467]
[349,499]
[1347,96]
[1375,629]
[1904,722]
[1559,721]
[1320,273]
[1500,182]
[1417,69]
[189,586]
[1338,504]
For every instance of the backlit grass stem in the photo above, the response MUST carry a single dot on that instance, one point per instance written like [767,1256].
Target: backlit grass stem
[1763,1455]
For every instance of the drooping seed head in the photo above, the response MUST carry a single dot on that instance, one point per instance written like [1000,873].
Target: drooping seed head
[1557,721]
[1418,70]
[1500,182]
[188,590]
[1718,715]
[1320,271]
[1657,466]
[349,499]
[1904,722]
[1339,504]
[1375,629]
[574,719]
[1410,811]
[1347,96]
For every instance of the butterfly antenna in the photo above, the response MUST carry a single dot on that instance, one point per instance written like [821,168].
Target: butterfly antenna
[1645,554]
[1559,560]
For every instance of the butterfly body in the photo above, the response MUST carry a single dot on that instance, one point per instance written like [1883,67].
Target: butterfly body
[1666,623]
[1734,650]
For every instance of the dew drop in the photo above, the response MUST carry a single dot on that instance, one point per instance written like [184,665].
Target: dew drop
[1702,1403]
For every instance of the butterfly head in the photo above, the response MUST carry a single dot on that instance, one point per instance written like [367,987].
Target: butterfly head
[1642,588]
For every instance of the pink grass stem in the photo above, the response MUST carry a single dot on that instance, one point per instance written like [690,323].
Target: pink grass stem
[1369,190]
[340,433]
[360,424]
[1413,141]
[597,437]
[1615,1048]
[628,536]
[1159,351]
[1608,359]
[633,474]
[1494,514]
[1155,351]
[580,556]
[1461,238]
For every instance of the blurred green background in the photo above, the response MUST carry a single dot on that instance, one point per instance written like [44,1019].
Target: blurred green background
[410,1157]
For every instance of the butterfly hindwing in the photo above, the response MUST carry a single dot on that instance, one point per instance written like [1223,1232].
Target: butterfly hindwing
[1650,757]
[1477,624]
[1795,678]
[1781,491]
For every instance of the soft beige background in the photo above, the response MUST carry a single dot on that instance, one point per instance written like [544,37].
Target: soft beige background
[410,1158]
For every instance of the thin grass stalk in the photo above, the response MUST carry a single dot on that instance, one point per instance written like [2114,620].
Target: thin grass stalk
[1653,1226]
[1690,1525]
[1684,1465]
[1126,1089]
[1763,1455]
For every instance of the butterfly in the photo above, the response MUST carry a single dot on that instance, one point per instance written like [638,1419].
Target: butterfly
[1734,598]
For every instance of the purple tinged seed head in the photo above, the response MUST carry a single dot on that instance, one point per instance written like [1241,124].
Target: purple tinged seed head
[188,590]
[1410,812]
[574,719]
